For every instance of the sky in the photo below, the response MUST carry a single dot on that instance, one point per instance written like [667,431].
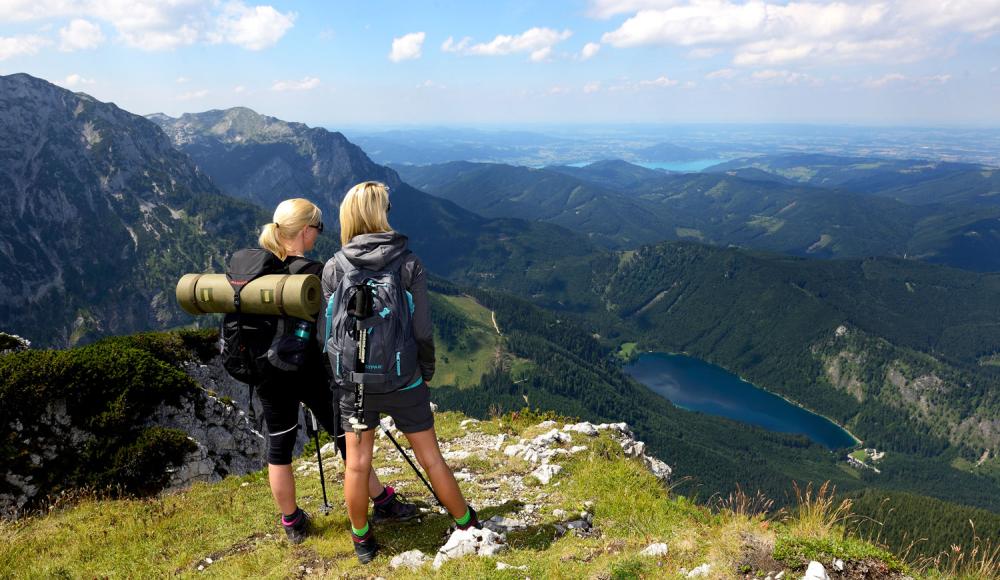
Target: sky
[516,63]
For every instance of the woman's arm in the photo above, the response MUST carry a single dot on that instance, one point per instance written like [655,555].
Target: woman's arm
[329,283]
[423,328]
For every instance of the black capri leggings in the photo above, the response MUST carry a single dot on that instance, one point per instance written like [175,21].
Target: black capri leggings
[280,398]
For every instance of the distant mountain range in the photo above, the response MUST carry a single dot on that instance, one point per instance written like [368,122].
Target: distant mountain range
[264,160]
[913,181]
[622,205]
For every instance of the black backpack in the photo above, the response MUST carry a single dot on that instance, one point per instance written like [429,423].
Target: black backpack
[254,346]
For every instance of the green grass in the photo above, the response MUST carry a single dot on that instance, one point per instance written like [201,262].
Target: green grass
[234,522]
[628,350]
[463,367]
[860,455]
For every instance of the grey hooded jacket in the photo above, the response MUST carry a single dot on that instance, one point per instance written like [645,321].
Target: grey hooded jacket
[374,251]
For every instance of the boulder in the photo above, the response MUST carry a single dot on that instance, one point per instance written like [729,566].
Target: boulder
[484,542]
[816,571]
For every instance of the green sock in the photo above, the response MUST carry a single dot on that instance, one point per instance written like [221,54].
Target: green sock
[361,532]
[464,519]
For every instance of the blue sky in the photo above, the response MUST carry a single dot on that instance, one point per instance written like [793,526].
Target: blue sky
[896,62]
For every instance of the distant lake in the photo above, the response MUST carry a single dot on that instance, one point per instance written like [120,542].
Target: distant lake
[695,385]
[681,166]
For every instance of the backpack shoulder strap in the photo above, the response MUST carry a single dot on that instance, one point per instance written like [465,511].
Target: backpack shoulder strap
[397,263]
[298,264]
[346,266]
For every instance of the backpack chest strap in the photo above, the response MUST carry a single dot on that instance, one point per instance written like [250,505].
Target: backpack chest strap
[367,378]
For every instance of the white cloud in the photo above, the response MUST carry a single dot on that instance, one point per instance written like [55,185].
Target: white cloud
[884,80]
[239,89]
[24,45]
[306,84]
[662,81]
[898,78]
[589,50]
[769,33]
[608,8]
[164,24]
[722,73]
[536,41]
[785,77]
[253,28]
[634,86]
[181,80]
[75,80]
[541,54]
[407,47]
[80,34]
[192,95]
[558,90]
[429,84]
[591,87]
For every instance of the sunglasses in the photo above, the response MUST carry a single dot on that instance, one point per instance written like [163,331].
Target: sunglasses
[319,228]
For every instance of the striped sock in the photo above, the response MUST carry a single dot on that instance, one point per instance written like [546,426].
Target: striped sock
[385,496]
[362,534]
[464,520]
[293,518]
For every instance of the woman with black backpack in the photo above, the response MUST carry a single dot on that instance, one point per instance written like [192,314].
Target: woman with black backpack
[297,223]
[380,343]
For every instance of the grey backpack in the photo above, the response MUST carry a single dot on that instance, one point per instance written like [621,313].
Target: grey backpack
[391,349]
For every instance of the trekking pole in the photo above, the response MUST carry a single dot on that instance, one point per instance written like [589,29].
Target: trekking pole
[415,470]
[311,419]
[360,309]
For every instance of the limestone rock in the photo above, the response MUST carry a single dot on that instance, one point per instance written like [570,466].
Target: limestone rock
[816,571]
[484,542]
[585,428]
[655,549]
[700,572]
[545,472]
[411,559]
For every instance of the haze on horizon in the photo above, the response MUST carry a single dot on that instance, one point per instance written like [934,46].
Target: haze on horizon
[896,62]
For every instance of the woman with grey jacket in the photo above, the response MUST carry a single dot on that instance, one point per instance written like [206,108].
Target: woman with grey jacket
[369,243]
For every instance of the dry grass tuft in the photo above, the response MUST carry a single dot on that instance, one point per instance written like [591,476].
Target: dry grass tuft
[817,513]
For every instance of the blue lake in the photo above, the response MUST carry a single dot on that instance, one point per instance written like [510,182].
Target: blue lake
[695,385]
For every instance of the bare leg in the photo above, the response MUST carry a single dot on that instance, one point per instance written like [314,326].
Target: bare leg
[375,486]
[357,477]
[425,446]
[282,487]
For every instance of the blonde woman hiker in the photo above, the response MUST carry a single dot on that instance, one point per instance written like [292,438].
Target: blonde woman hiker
[378,337]
[296,226]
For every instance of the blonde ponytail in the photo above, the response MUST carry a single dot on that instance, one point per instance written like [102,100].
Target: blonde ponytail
[290,217]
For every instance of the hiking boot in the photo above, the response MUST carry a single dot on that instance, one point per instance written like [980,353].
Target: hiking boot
[472,523]
[365,547]
[393,508]
[298,528]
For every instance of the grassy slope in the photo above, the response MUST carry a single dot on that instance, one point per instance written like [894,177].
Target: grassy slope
[462,362]
[234,523]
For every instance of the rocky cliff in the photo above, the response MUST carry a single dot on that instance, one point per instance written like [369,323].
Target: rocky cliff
[100,214]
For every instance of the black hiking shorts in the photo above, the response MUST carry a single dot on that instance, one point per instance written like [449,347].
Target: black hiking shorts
[409,408]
